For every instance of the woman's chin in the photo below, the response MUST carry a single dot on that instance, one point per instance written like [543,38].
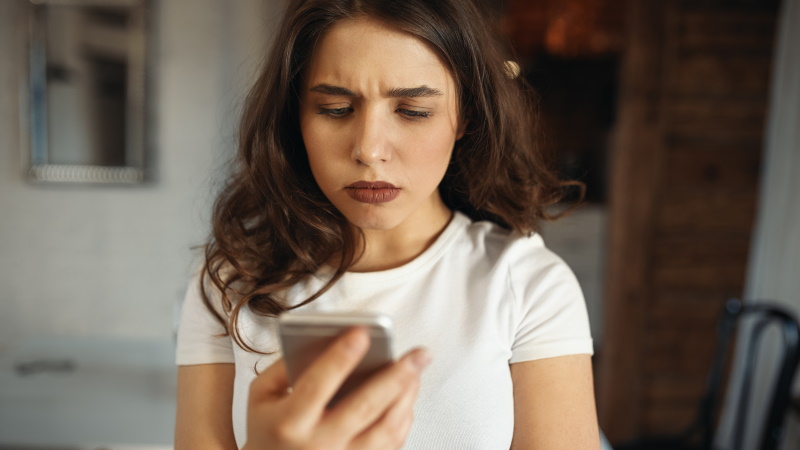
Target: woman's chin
[374,220]
[393,214]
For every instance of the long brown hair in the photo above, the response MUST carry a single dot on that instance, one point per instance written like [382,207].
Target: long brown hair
[272,225]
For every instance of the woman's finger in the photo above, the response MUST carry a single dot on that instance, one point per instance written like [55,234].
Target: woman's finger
[392,428]
[367,404]
[318,384]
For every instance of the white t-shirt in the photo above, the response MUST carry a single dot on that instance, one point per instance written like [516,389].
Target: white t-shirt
[480,298]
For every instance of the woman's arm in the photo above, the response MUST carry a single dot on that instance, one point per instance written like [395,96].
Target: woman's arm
[205,395]
[554,404]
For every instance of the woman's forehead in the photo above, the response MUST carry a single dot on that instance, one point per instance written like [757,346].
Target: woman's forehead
[364,53]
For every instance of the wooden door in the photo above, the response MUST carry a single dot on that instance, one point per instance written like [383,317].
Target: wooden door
[684,184]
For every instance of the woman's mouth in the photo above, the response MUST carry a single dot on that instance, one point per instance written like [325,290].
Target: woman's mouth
[372,191]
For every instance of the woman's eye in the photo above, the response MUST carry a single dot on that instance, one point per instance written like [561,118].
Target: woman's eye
[413,114]
[335,112]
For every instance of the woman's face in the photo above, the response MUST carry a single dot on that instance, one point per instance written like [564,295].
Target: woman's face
[379,119]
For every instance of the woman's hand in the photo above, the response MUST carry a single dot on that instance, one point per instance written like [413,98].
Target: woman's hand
[376,415]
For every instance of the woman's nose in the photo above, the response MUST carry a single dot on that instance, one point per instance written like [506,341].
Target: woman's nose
[372,145]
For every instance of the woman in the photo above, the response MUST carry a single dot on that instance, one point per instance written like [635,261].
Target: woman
[386,163]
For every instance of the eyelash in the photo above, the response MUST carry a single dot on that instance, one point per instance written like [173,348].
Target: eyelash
[335,113]
[413,114]
[339,113]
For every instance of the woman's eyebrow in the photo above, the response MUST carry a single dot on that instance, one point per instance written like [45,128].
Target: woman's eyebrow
[419,91]
[412,92]
[328,89]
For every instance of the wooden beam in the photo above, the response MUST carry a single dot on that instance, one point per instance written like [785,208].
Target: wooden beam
[636,157]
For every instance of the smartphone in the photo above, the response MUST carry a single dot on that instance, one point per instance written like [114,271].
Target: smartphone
[305,336]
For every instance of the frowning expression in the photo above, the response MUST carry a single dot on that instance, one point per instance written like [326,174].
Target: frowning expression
[379,119]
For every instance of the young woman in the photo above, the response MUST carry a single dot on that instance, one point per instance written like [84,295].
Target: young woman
[386,163]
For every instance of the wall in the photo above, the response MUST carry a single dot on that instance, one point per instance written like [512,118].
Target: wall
[114,261]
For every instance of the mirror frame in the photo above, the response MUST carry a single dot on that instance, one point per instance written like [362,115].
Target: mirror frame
[34,108]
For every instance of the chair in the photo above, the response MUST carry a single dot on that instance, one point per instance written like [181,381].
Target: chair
[700,435]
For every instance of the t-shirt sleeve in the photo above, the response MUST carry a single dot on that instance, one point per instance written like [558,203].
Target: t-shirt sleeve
[551,317]
[201,337]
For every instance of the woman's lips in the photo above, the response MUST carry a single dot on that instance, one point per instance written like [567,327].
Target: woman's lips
[372,191]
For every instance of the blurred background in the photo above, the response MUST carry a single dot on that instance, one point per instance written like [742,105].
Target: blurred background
[117,119]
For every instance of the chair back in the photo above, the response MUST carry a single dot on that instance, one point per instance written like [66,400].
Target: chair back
[761,316]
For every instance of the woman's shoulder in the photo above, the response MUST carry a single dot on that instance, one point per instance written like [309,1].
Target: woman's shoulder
[548,307]
[510,246]
[524,258]
[206,286]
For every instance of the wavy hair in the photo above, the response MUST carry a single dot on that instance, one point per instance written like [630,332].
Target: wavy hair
[272,225]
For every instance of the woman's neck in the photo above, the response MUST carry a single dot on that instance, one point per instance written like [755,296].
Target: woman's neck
[388,249]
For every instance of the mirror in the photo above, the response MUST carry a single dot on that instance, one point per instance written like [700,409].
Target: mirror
[86,91]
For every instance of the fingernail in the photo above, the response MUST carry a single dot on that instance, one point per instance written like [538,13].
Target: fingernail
[420,359]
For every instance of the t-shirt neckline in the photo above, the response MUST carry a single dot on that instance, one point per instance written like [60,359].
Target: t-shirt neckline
[457,224]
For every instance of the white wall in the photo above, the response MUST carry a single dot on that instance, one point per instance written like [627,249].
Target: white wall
[114,261]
